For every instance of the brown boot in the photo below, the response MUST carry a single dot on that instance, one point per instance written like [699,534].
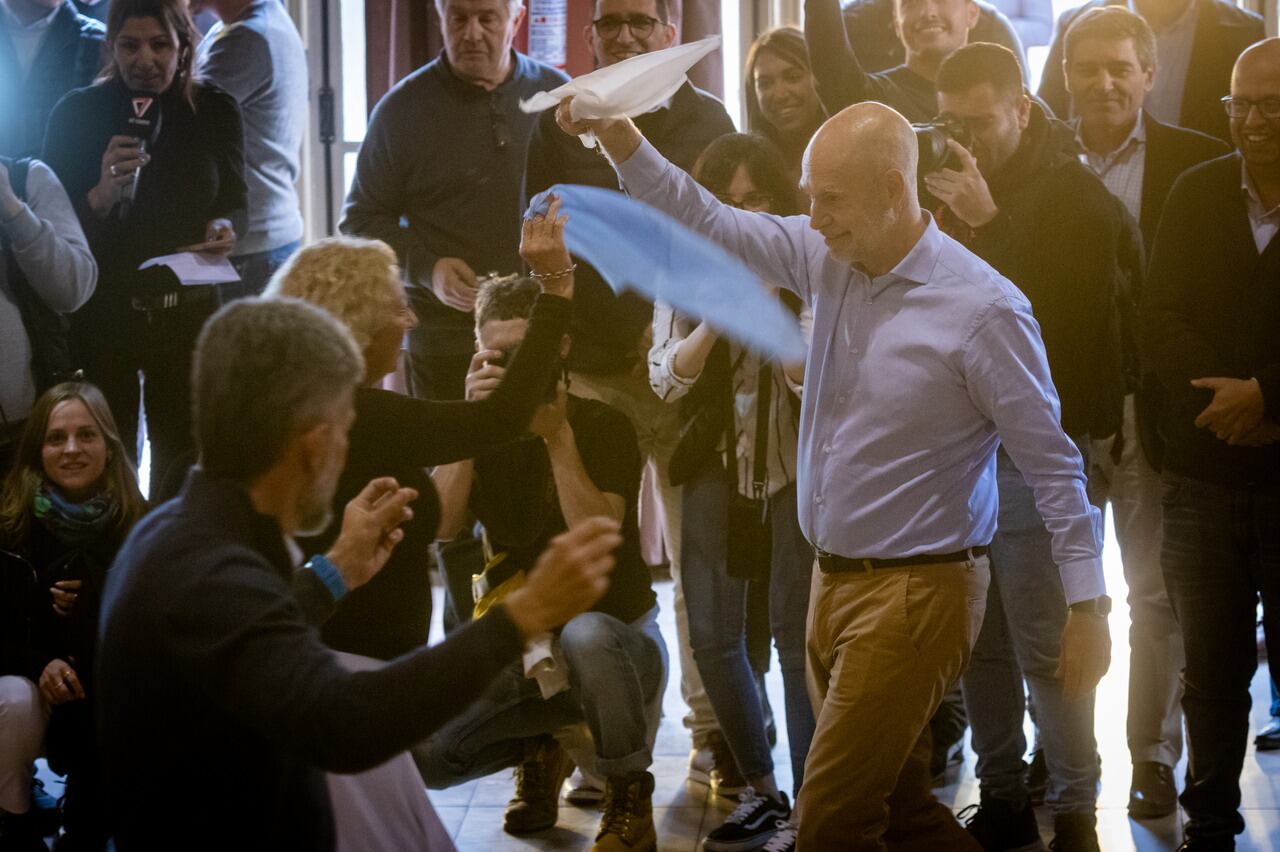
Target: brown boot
[536,804]
[627,824]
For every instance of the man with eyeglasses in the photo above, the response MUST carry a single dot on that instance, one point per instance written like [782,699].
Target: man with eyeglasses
[611,333]
[1212,310]
[1111,66]
[438,178]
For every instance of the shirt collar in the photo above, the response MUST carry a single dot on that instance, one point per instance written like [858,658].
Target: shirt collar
[37,25]
[1252,196]
[1137,136]
[917,267]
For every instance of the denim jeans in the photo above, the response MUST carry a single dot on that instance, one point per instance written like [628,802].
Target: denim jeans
[1020,638]
[617,675]
[717,606]
[1221,551]
[255,271]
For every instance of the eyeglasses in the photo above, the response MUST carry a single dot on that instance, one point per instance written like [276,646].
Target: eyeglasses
[610,26]
[750,201]
[1240,107]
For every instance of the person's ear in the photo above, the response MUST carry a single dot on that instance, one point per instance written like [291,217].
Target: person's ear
[971,15]
[1024,111]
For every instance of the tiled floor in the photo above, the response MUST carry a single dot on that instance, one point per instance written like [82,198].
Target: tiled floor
[473,812]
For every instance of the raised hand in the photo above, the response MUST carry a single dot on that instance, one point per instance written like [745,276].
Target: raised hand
[371,530]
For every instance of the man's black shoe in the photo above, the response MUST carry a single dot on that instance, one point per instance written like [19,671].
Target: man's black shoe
[1153,794]
[751,824]
[1075,833]
[1000,827]
[1268,739]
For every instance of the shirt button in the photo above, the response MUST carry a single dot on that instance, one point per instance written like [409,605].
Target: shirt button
[840,399]
[827,448]
[818,499]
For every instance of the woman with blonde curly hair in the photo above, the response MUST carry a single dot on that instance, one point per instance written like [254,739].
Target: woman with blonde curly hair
[359,282]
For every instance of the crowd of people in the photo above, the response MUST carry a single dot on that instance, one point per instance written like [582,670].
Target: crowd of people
[1019,308]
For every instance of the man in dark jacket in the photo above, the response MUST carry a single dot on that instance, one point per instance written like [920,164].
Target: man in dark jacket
[1198,42]
[1212,309]
[211,674]
[46,50]
[611,332]
[1023,202]
[1110,67]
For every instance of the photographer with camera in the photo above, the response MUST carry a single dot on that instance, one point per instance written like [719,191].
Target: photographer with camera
[1020,199]
[579,459]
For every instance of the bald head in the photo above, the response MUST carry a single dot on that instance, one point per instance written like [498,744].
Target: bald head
[1255,87]
[860,174]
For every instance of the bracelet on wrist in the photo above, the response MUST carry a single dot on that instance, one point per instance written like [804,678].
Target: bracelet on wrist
[553,276]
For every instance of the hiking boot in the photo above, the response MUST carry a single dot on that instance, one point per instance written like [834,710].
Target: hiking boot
[1074,833]
[627,824]
[536,804]
[753,822]
[1000,827]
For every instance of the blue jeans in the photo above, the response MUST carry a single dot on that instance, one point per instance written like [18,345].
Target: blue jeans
[617,674]
[255,271]
[1221,551]
[717,621]
[1020,638]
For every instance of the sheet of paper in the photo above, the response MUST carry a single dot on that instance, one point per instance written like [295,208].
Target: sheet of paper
[196,269]
[637,247]
[632,87]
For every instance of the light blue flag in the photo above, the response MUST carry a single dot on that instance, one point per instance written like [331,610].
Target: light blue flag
[638,247]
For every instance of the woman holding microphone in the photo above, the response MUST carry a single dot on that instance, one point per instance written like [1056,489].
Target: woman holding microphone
[153,160]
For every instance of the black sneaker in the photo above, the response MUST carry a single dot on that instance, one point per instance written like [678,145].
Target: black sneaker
[1074,833]
[783,840]
[1000,827]
[752,822]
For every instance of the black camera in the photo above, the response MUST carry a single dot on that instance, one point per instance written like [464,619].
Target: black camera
[932,138]
[549,395]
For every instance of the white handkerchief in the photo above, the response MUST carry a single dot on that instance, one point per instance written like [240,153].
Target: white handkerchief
[544,662]
[632,87]
[196,268]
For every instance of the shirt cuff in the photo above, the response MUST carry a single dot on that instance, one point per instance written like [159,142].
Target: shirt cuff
[328,574]
[669,367]
[1083,580]
[642,169]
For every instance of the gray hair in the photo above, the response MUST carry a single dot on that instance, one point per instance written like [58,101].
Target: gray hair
[265,370]
[513,6]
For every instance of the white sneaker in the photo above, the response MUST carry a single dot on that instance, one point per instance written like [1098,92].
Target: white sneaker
[583,789]
[701,762]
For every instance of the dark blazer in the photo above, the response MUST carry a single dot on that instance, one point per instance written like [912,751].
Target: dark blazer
[1223,31]
[69,58]
[1170,152]
[1211,308]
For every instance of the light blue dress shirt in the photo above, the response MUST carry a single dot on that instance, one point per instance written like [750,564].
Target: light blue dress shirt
[912,381]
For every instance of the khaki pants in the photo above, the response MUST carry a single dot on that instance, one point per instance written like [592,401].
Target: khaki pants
[884,647]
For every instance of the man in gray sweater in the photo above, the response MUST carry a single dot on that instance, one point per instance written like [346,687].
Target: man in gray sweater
[255,54]
[43,243]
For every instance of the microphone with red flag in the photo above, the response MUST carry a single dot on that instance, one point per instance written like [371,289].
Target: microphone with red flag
[141,121]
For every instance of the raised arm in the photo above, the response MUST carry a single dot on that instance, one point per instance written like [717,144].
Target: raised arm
[678,354]
[840,76]
[777,249]
[48,244]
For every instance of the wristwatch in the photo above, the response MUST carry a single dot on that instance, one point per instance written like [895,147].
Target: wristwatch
[1100,606]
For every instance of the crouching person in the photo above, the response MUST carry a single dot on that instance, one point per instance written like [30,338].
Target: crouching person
[607,667]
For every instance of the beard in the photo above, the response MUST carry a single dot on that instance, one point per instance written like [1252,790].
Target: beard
[315,511]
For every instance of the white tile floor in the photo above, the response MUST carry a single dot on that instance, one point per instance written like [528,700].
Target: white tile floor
[473,812]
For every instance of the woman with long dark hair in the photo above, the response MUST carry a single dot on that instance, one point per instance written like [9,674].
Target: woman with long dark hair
[737,460]
[153,160]
[782,98]
[67,504]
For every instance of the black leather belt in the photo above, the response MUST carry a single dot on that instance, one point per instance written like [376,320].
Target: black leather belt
[829,563]
[174,298]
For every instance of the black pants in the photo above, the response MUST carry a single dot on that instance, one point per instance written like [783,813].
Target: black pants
[1221,551]
[440,348]
[71,747]
[114,346]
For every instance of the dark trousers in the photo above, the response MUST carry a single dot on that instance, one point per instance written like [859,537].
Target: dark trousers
[1221,551]
[440,348]
[141,360]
